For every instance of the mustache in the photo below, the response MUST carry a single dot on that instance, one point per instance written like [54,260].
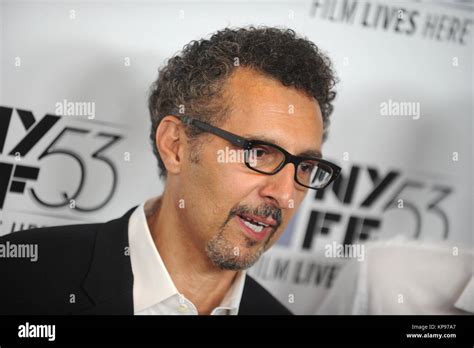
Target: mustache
[263,211]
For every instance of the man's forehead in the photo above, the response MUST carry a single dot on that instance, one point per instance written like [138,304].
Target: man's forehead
[249,91]
[264,109]
[251,85]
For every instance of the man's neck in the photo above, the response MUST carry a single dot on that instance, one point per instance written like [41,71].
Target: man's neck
[191,270]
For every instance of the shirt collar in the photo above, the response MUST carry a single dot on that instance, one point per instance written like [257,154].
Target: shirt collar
[233,297]
[152,282]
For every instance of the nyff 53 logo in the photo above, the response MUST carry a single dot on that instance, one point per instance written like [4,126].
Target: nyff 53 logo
[67,146]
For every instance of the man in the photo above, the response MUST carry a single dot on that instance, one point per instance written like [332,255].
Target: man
[238,122]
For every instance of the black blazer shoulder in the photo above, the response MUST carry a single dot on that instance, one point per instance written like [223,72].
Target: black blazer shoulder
[258,301]
[86,269]
[81,269]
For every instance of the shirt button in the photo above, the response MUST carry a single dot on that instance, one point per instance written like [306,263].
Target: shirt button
[183,308]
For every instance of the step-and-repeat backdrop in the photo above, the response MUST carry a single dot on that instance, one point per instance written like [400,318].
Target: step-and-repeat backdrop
[74,124]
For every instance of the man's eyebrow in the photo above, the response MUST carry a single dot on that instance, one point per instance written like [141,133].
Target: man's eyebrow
[307,153]
[311,153]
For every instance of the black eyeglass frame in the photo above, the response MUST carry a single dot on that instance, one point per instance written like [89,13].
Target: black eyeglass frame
[247,144]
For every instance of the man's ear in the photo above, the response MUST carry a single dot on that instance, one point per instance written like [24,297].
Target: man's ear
[170,143]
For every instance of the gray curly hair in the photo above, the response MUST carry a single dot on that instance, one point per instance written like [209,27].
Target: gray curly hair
[193,79]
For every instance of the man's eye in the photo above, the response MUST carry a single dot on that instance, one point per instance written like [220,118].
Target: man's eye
[306,167]
[259,152]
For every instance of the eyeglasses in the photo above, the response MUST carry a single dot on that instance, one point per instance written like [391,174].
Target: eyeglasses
[267,158]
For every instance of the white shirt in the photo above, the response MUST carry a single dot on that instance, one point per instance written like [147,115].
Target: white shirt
[154,292]
[405,277]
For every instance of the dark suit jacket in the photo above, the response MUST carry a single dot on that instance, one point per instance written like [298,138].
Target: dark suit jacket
[85,269]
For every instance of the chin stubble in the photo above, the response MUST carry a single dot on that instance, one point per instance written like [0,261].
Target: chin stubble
[225,255]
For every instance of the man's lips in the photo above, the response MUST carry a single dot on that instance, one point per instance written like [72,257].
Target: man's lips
[266,221]
[261,235]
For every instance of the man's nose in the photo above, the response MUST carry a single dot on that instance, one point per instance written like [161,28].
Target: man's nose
[281,187]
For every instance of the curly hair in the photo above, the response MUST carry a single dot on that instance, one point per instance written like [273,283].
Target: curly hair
[194,78]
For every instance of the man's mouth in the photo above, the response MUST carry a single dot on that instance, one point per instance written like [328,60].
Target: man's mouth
[256,227]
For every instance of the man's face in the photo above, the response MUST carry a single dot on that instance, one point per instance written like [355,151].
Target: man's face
[221,193]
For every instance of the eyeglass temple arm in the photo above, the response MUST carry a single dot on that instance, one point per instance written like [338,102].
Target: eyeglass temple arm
[232,138]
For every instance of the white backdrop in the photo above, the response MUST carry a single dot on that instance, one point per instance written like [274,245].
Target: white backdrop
[107,54]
